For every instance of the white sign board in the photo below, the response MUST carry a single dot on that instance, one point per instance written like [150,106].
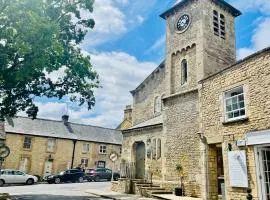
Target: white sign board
[238,169]
[113,157]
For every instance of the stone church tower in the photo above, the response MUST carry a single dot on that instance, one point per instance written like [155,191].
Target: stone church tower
[200,41]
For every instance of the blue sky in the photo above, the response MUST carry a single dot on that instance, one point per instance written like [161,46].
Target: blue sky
[128,43]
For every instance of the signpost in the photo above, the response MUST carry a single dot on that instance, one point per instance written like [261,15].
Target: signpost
[113,157]
[4,152]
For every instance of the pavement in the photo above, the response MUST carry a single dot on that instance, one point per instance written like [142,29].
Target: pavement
[107,193]
[67,191]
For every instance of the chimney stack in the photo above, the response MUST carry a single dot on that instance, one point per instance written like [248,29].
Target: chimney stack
[65,119]
[128,113]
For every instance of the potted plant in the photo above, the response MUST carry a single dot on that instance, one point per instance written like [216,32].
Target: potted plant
[178,191]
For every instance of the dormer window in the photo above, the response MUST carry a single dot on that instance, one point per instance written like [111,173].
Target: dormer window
[219,24]
[184,73]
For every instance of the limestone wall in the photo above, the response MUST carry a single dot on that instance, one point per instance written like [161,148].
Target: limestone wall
[182,144]
[143,99]
[254,75]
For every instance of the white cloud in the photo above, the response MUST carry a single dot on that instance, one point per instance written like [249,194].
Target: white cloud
[119,73]
[157,46]
[252,5]
[114,18]
[260,39]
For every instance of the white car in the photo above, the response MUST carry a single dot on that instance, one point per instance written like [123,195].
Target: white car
[9,176]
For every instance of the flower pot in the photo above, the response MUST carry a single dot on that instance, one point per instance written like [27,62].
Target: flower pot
[178,191]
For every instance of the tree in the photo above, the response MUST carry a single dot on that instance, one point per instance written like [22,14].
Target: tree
[38,37]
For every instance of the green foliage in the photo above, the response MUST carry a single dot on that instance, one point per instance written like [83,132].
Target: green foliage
[38,37]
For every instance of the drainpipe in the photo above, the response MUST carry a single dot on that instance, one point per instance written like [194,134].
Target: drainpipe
[73,153]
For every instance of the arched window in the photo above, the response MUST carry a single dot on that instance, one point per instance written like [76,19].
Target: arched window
[216,22]
[157,105]
[219,24]
[184,73]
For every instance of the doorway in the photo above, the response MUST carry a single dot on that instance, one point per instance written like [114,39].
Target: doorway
[215,171]
[263,154]
[48,168]
[140,160]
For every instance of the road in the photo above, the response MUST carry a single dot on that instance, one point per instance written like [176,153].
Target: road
[68,191]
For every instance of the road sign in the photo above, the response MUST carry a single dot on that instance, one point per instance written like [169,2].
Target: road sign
[4,151]
[113,157]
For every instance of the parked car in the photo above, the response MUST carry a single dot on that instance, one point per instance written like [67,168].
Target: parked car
[100,174]
[71,175]
[10,176]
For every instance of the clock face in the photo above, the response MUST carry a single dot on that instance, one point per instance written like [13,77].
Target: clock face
[183,23]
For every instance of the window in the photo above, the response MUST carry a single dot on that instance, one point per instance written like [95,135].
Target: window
[215,23]
[235,104]
[86,148]
[102,149]
[219,24]
[156,149]
[84,162]
[101,164]
[27,142]
[184,74]
[162,102]
[157,105]
[51,145]
[222,26]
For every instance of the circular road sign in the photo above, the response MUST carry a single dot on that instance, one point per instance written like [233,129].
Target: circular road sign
[4,151]
[113,157]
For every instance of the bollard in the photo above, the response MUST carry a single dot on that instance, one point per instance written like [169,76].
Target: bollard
[249,195]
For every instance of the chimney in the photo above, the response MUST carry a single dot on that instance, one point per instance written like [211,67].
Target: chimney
[65,119]
[128,113]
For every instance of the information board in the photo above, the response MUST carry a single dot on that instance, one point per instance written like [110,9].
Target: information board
[238,169]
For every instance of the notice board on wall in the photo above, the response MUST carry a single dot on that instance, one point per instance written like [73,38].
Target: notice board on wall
[237,161]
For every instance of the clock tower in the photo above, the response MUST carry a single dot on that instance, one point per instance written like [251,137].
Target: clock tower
[200,40]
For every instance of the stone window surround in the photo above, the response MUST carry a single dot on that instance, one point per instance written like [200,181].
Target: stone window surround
[184,71]
[224,119]
[27,145]
[102,149]
[156,144]
[85,148]
[219,24]
[157,104]
[49,147]
[84,162]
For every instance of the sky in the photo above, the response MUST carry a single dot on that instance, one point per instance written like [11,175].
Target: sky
[128,43]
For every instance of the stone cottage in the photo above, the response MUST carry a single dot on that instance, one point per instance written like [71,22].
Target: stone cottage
[42,147]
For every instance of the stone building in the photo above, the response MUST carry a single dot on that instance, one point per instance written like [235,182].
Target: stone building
[173,119]
[43,147]
[235,120]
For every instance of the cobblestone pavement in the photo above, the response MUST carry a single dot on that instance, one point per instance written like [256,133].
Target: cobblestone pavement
[68,191]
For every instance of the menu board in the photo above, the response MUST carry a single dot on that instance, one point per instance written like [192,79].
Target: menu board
[238,169]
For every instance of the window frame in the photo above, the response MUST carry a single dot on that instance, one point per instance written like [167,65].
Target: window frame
[54,147]
[184,72]
[157,104]
[83,149]
[27,143]
[102,150]
[83,163]
[225,98]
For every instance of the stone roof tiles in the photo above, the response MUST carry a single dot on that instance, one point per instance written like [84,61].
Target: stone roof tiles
[59,129]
